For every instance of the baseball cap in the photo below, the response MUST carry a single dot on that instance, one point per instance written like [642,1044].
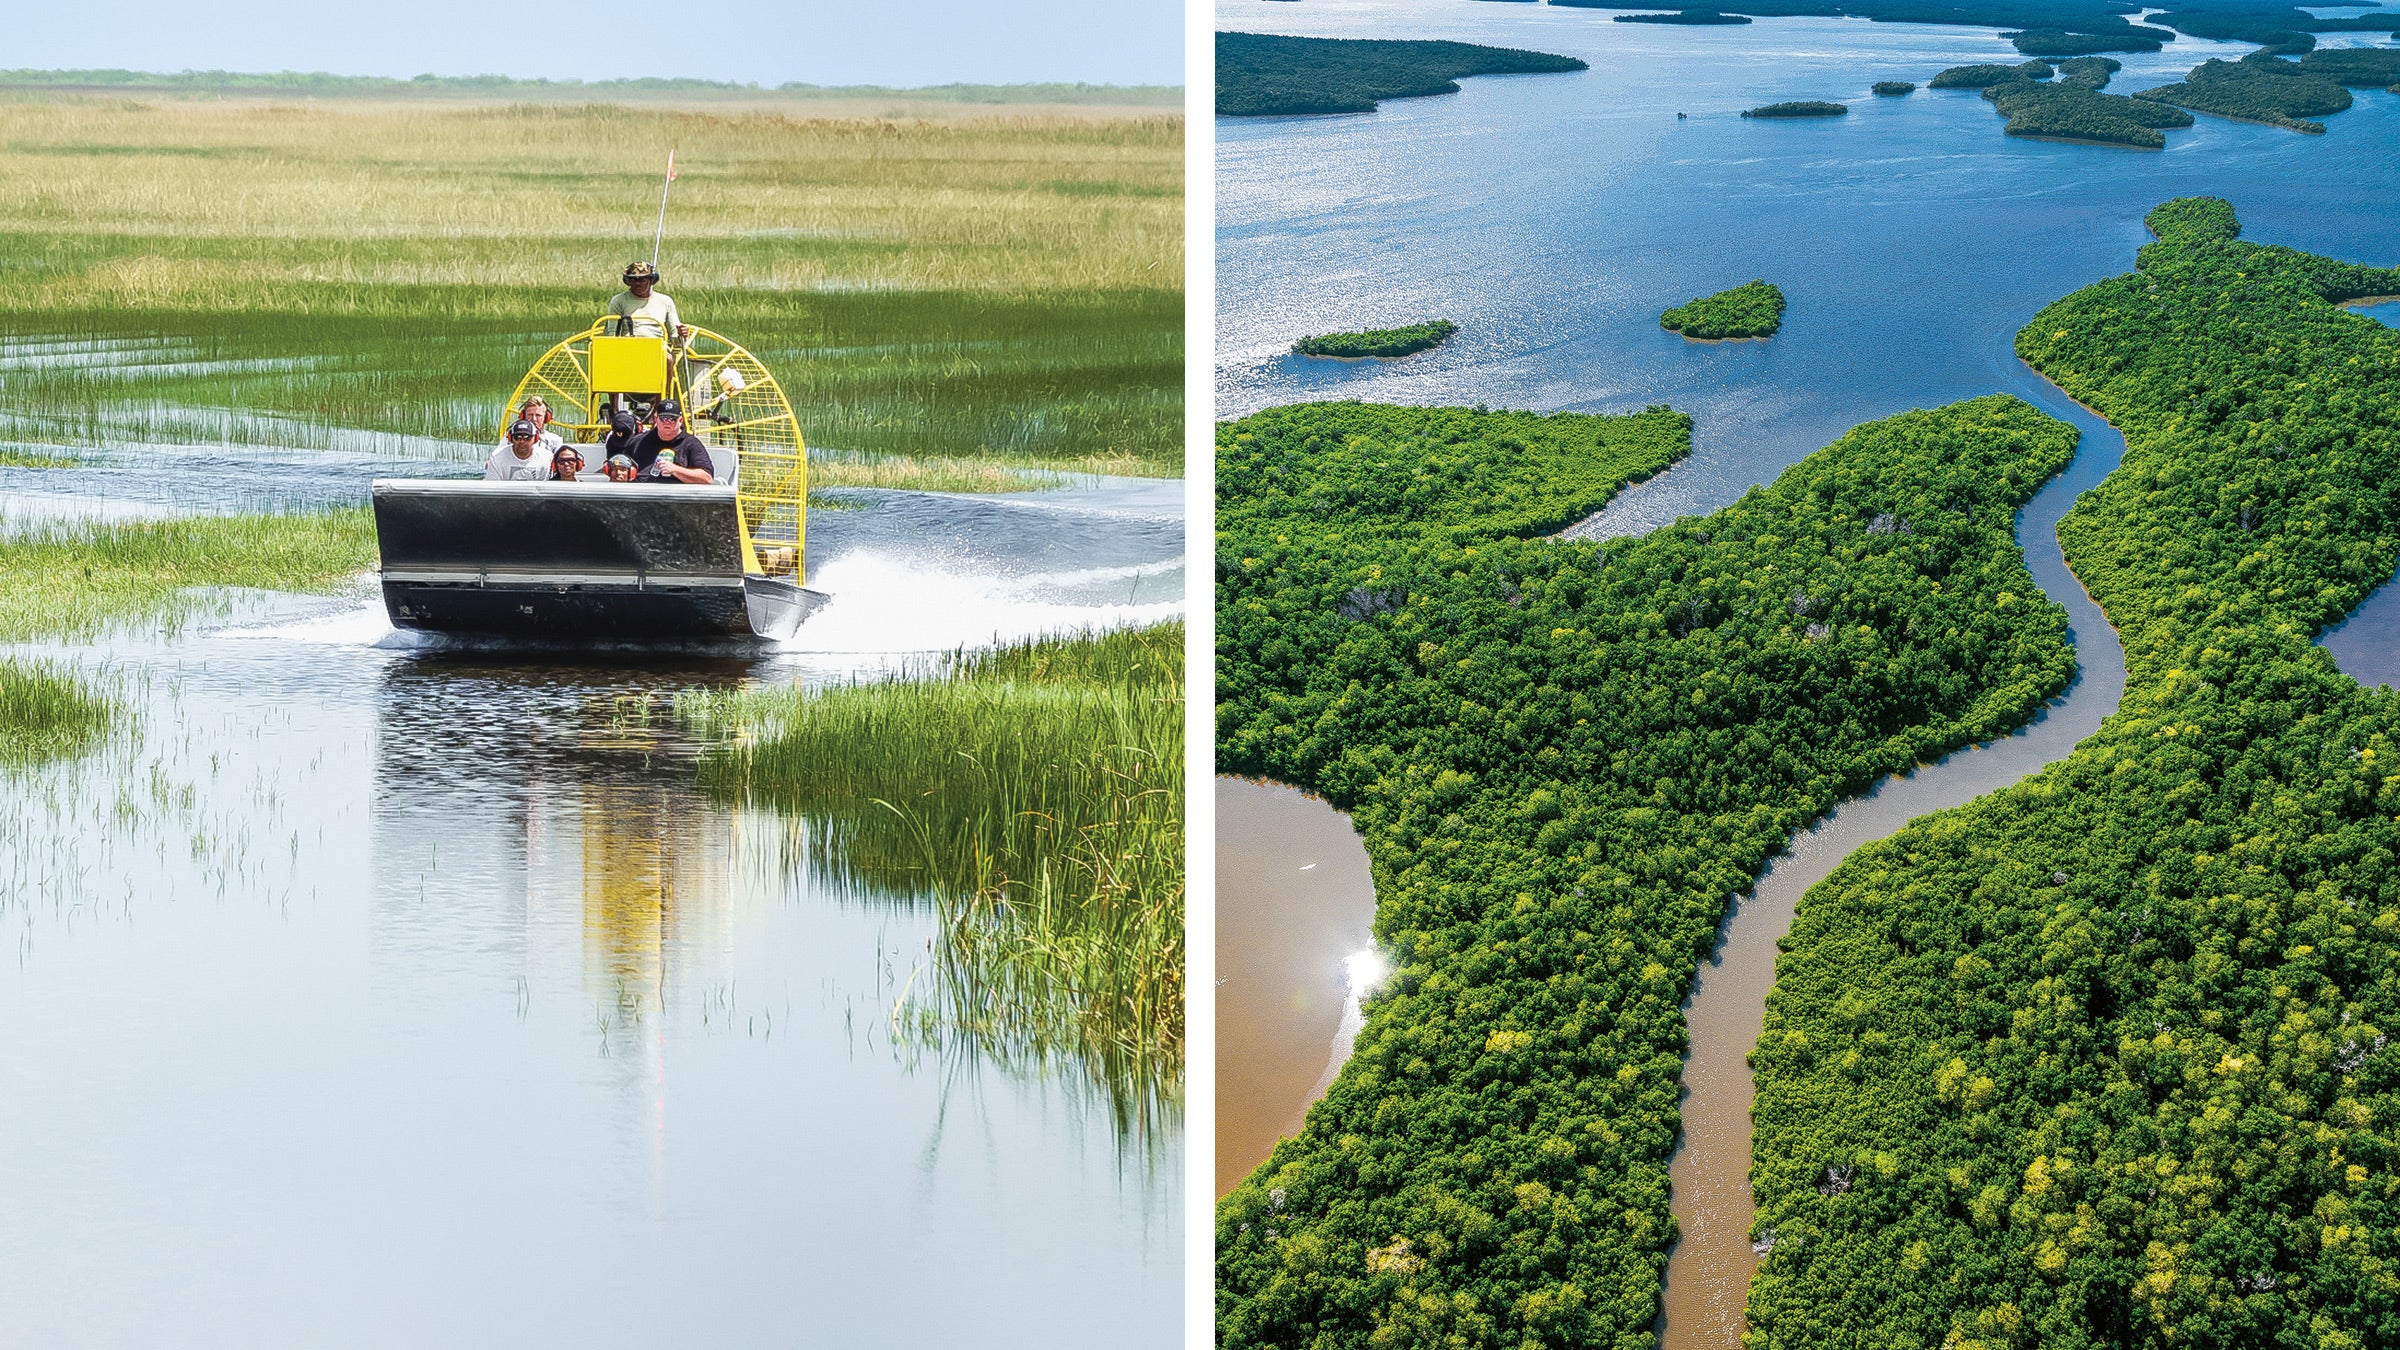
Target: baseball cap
[522,428]
[668,407]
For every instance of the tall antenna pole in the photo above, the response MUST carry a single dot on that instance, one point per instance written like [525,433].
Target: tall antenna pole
[661,233]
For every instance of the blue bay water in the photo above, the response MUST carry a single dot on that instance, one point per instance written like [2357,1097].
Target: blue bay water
[1554,216]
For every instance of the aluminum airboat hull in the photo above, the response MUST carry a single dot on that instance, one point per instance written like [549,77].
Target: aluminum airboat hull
[576,562]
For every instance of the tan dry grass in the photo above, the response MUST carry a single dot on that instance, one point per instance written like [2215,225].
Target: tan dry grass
[144,196]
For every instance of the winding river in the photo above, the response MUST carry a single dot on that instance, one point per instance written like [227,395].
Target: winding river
[1272,838]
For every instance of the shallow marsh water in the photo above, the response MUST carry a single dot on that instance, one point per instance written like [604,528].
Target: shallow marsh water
[378,992]
[1554,216]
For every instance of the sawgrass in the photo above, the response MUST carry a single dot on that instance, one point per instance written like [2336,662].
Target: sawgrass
[74,582]
[46,714]
[1004,286]
[1037,792]
[925,475]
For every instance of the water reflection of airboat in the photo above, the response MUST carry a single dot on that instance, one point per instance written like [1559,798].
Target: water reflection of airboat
[616,561]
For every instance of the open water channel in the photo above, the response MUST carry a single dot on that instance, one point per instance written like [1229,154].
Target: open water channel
[378,992]
[1553,217]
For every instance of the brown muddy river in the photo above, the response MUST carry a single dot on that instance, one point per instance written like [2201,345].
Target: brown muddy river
[1295,951]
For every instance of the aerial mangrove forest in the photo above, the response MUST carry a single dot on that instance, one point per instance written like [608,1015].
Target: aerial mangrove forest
[1984,77]
[1751,310]
[2104,1059]
[2053,43]
[1383,342]
[2088,72]
[1563,758]
[2258,88]
[2073,110]
[1894,88]
[1260,75]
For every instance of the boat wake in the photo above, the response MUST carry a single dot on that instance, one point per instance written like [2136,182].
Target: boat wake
[884,605]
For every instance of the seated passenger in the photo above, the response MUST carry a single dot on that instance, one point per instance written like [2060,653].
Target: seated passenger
[666,453]
[619,468]
[516,460]
[567,463]
[622,432]
[537,411]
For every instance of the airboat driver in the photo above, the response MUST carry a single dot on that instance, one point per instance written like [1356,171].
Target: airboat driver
[642,310]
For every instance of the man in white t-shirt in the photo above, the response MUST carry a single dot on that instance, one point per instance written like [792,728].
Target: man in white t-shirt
[522,459]
[642,310]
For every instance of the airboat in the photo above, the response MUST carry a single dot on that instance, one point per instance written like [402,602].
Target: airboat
[621,562]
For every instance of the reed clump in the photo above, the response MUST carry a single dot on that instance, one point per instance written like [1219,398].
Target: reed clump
[1036,791]
[47,714]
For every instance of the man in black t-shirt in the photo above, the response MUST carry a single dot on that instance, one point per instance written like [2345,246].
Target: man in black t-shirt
[667,454]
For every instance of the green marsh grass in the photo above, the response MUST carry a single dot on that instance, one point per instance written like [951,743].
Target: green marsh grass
[1037,792]
[24,459]
[1003,286]
[46,714]
[75,581]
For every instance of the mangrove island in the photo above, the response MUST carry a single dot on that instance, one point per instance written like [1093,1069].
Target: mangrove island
[1383,342]
[1802,108]
[1259,75]
[1753,309]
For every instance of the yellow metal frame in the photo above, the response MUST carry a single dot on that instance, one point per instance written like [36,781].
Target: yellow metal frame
[729,399]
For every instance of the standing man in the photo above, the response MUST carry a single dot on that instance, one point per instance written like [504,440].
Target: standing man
[642,310]
[667,454]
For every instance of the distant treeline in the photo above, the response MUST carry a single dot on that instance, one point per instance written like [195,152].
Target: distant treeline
[1690,16]
[2105,1058]
[2053,25]
[1260,75]
[317,83]
[1563,759]
[2052,43]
